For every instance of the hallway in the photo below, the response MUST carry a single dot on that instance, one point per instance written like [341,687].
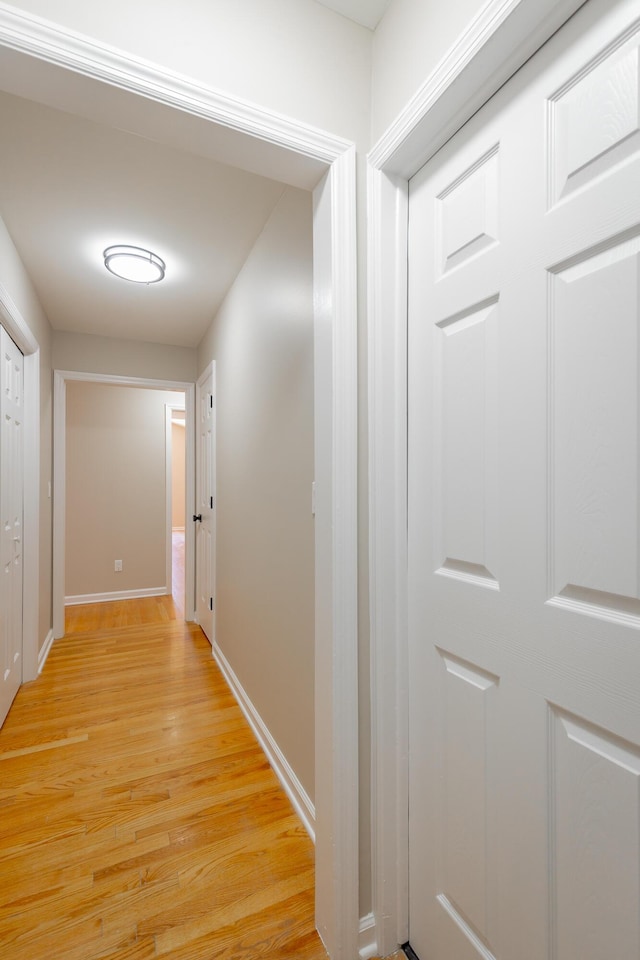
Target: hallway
[139,818]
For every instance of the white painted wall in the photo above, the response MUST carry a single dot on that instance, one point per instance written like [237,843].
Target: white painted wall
[410,41]
[16,282]
[262,342]
[292,56]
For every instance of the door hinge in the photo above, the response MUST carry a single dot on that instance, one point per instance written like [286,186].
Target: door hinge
[210,603]
[211,400]
[211,502]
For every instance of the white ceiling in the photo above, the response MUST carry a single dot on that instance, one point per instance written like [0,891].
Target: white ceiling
[366,12]
[70,187]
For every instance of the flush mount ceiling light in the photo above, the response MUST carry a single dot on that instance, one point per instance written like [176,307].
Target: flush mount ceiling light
[134,263]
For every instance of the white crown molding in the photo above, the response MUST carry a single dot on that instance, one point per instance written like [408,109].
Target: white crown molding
[66,48]
[14,323]
[116,595]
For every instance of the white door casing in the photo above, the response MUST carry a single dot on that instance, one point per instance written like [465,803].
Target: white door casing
[523,513]
[11,519]
[205,526]
[60,379]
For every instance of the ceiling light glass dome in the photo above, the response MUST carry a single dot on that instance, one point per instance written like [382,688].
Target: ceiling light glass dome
[134,263]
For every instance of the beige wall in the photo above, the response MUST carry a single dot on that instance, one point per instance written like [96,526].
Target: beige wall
[123,358]
[262,342]
[116,488]
[15,280]
[409,43]
[178,467]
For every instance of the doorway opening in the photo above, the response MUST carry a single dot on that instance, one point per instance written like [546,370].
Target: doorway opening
[112,518]
[326,163]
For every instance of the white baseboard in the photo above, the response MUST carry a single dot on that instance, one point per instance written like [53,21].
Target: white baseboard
[44,651]
[289,781]
[117,595]
[367,945]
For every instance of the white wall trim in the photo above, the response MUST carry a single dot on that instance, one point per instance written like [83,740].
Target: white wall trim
[503,36]
[60,380]
[286,775]
[336,725]
[17,328]
[15,324]
[367,946]
[116,595]
[336,587]
[45,651]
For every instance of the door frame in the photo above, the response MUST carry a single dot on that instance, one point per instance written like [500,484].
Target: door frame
[495,44]
[17,328]
[60,380]
[335,324]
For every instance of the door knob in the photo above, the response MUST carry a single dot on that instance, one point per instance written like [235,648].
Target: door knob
[197,516]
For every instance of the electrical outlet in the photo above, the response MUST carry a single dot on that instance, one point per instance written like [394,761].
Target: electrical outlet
[118,566]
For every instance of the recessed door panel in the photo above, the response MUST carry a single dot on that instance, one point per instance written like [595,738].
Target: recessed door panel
[595,841]
[466,701]
[595,422]
[467,344]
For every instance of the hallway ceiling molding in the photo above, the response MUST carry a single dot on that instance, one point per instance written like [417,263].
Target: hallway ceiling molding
[368,13]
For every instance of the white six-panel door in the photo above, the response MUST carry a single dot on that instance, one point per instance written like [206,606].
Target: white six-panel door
[524,513]
[205,505]
[11,525]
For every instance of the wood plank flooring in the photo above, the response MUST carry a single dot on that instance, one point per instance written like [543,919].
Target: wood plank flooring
[138,816]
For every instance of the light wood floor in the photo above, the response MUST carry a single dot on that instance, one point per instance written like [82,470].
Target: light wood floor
[138,816]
